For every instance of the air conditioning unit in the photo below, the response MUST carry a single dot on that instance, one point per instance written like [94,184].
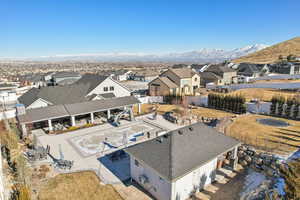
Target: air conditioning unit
[143,179]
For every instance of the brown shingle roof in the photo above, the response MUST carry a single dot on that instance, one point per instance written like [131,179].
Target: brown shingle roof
[183,72]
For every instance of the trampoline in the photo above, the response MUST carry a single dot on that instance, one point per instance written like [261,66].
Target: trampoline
[273,122]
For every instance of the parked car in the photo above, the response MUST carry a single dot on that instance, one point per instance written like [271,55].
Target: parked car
[170,116]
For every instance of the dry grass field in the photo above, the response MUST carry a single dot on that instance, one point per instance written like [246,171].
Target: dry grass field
[271,54]
[199,111]
[261,93]
[77,186]
[281,140]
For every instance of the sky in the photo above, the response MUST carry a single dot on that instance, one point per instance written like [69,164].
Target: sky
[47,28]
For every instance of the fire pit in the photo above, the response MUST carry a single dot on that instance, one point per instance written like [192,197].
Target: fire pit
[273,122]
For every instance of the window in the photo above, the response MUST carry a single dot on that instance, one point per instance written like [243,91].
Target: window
[195,79]
[105,89]
[136,163]
[111,88]
[161,179]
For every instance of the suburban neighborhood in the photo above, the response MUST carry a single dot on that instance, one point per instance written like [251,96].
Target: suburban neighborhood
[142,115]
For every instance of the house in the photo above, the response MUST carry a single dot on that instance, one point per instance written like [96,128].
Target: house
[89,87]
[223,71]
[210,78]
[172,166]
[65,78]
[146,75]
[291,68]
[119,75]
[34,80]
[252,70]
[179,81]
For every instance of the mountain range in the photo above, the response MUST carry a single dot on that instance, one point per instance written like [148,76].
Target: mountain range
[200,56]
[272,53]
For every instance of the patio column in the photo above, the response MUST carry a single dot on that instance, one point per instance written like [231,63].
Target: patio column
[73,121]
[139,108]
[234,158]
[50,125]
[108,114]
[92,118]
[24,130]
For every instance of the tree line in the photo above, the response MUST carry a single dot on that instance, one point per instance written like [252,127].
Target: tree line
[232,103]
[285,107]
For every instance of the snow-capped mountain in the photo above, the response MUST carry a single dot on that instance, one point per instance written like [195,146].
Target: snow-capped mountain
[202,55]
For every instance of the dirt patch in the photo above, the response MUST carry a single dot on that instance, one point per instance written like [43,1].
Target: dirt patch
[199,111]
[77,186]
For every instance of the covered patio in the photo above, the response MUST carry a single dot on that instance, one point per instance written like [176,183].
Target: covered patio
[69,116]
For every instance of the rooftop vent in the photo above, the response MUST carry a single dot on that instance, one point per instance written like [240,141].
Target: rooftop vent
[191,128]
[160,139]
[180,132]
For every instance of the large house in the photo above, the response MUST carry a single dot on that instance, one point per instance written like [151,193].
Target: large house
[172,166]
[291,68]
[177,82]
[89,87]
[225,72]
[252,70]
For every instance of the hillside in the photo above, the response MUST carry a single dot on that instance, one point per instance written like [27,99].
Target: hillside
[271,54]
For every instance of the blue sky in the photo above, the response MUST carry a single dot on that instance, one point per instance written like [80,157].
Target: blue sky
[45,28]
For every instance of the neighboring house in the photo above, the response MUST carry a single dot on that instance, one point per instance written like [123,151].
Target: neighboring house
[185,79]
[65,78]
[89,87]
[34,80]
[285,68]
[119,75]
[162,86]
[223,71]
[252,70]
[172,166]
[146,76]
[210,78]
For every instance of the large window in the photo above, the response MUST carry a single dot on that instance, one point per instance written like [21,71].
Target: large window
[105,89]
[111,88]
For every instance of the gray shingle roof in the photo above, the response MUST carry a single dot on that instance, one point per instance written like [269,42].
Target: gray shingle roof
[91,80]
[56,95]
[100,105]
[66,94]
[108,95]
[180,151]
[67,110]
[42,114]
[65,74]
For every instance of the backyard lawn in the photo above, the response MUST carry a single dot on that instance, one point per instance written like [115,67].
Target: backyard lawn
[281,140]
[261,93]
[77,186]
[199,111]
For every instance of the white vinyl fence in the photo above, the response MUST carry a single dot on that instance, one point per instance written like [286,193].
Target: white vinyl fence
[151,99]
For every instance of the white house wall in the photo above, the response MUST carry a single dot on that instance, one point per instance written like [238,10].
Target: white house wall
[119,90]
[38,104]
[163,187]
[199,177]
